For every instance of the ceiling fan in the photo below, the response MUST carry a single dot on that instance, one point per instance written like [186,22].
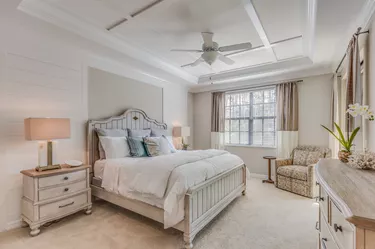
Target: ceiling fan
[211,51]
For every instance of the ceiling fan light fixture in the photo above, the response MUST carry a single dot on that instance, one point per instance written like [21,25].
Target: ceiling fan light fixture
[209,57]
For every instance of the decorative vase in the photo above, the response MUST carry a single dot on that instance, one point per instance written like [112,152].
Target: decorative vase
[344,156]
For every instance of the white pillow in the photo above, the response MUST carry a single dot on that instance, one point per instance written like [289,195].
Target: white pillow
[162,142]
[170,143]
[115,147]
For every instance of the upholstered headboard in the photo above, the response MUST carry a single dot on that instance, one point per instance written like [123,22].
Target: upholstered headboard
[131,118]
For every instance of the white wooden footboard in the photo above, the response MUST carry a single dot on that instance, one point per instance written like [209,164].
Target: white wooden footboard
[204,201]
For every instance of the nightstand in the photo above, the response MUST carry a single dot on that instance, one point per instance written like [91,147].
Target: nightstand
[54,194]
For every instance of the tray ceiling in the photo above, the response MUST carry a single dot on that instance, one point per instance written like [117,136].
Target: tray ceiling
[279,30]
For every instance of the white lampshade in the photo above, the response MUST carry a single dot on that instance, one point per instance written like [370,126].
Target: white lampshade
[181,131]
[47,128]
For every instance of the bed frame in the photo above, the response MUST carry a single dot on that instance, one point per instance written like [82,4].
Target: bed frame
[203,202]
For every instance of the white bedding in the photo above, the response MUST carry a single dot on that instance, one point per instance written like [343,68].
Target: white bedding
[165,178]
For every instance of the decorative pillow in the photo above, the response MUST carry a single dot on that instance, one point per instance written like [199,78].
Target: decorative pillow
[300,157]
[313,157]
[152,145]
[158,132]
[115,147]
[137,147]
[108,133]
[170,143]
[165,148]
[139,133]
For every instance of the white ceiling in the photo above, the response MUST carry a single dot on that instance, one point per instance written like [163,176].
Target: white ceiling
[280,30]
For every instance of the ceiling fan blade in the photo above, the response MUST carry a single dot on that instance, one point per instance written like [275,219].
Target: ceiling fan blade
[240,46]
[195,63]
[207,38]
[225,59]
[187,50]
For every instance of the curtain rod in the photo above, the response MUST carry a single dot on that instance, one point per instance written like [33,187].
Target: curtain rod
[356,34]
[256,86]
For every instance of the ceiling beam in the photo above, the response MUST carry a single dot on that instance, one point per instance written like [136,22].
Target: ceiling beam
[309,31]
[253,15]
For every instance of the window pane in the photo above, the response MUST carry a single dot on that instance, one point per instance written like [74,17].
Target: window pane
[234,137]
[235,100]
[227,112]
[257,138]
[257,125]
[235,125]
[227,125]
[235,112]
[227,134]
[269,139]
[269,125]
[245,98]
[244,138]
[227,99]
[269,96]
[244,125]
[257,97]
[269,110]
[245,111]
[258,110]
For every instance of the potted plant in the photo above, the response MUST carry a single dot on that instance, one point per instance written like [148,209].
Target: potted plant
[347,143]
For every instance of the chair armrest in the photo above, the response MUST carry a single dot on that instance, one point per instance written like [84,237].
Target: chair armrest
[311,170]
[283,162]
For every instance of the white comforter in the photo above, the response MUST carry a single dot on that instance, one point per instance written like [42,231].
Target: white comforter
[166,177]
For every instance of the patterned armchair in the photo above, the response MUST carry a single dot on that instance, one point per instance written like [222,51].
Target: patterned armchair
[296,174]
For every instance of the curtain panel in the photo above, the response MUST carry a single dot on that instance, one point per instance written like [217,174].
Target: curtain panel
[218,121]
[287,118]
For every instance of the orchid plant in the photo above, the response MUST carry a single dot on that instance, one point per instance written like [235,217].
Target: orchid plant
[355,111]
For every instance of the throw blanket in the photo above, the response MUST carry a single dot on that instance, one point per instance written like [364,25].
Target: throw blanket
[166,177]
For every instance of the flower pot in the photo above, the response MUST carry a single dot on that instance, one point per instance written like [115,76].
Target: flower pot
[344,155]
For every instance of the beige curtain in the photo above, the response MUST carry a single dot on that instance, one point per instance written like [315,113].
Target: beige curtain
[338,111]
[218,121]
[287,118]
[354,88]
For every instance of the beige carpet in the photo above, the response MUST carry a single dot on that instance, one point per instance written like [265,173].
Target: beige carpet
[267,218]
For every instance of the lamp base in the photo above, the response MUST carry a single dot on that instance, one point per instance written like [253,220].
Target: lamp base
[48,167]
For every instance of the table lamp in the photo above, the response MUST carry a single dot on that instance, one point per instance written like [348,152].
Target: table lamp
[47,129]
[182,132]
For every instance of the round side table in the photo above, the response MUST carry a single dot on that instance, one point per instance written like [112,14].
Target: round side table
[269,158]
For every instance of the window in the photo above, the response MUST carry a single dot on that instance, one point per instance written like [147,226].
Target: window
[250,118]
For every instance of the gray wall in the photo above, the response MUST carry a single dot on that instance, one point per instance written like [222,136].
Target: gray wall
[110,94]
[314,109]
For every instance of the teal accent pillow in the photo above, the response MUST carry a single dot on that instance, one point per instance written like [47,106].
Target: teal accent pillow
[137,147]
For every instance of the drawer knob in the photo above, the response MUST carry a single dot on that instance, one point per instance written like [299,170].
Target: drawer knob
[317,225]
[337,228]
[66,189]
[321,198]
[317,183]
[66,178]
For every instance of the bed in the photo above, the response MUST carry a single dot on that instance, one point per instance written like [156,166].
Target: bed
[199,204]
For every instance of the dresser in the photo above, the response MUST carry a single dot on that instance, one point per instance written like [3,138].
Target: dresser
[346,217]
[54,194]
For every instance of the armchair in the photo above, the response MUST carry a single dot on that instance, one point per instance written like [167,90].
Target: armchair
[296,174]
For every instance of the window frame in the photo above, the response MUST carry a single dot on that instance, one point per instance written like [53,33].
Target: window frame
[250,119]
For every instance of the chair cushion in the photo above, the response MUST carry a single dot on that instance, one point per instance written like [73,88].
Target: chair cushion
[299,157]
[313,157]
[293,171]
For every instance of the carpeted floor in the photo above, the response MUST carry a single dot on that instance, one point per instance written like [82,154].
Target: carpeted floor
[267,218]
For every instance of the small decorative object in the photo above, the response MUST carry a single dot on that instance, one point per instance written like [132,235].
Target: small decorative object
[73,163]
[347,143]
[185,146]
[362,160]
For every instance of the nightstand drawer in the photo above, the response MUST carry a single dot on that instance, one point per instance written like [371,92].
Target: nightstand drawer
[323,202]
[63,206]
[62,190]
[326,239]
[62,178]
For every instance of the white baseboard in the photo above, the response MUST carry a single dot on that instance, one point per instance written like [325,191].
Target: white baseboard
[13,225]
